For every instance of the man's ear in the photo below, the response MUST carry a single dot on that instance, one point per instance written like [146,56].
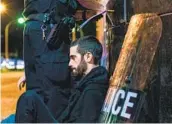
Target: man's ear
[88,57]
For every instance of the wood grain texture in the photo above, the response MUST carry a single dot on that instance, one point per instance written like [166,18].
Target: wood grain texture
[152,6]
[138,50]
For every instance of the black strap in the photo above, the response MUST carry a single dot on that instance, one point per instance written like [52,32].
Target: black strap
[37,17]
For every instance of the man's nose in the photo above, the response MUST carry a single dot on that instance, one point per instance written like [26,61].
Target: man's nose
[69,64]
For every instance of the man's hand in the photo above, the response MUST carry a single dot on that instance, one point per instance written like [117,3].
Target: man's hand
[21,82]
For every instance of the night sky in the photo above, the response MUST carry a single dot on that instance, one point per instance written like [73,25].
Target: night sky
[14,10]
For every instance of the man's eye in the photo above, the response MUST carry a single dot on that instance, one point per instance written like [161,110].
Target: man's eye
[73,58]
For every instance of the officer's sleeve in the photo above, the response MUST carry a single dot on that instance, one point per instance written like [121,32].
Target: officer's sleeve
[92,104]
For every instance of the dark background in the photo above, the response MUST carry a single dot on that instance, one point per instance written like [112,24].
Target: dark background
[14,11]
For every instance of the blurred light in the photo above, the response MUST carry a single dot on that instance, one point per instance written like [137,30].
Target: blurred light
[21,20]
[2,8]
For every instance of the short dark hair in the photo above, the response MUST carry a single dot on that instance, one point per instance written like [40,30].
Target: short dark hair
[89,44]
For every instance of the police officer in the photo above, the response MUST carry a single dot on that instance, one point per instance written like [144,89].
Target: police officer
[46,67]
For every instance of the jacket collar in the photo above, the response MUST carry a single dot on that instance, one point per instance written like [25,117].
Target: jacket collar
[97,75]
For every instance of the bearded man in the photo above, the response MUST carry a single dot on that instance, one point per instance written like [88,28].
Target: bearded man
[87,97]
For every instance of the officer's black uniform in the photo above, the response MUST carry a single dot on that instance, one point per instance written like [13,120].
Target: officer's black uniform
[84,105]
[46,68]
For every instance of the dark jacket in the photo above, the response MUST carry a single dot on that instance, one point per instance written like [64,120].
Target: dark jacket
[46,6]
[37,6]
[87,98]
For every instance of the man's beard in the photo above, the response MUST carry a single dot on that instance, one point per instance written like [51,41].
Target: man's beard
[79,72]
